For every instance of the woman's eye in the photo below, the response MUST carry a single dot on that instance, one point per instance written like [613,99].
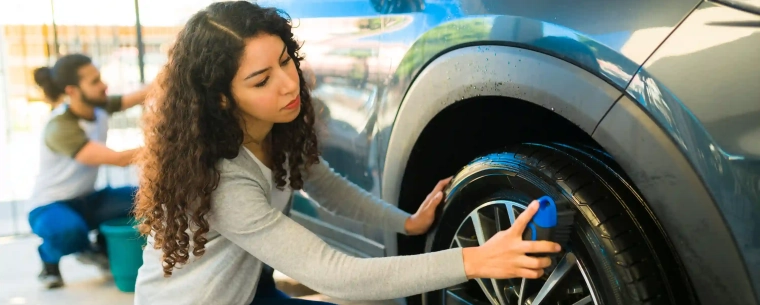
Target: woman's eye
[263,83]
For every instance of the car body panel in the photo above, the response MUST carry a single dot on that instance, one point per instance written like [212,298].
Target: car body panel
[676,194]
[702,87]
[613,42]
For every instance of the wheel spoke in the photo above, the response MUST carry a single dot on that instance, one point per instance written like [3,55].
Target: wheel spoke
[524,284]
[563,268]
[453,298]
[511,213]
[528,287]
[485,227]
[488,290]
[503,221]
[465,235]
[584,271]
[499,288]
[461,295]
[464,241]
[585,301]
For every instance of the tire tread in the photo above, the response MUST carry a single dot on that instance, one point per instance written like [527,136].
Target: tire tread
[614,224]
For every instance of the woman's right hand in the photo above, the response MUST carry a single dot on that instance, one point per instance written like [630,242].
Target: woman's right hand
[504,256]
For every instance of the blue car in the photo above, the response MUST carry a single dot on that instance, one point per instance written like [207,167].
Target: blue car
[642,118]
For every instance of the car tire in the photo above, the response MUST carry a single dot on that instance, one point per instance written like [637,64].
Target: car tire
[610,258]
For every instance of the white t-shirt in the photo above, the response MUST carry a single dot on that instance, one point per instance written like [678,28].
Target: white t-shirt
[61,177]
[280,198]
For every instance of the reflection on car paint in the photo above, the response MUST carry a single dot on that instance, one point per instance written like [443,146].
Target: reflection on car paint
[716,126]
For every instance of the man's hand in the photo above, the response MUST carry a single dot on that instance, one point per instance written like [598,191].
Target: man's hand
[94,154]
[420,222]
[138,97]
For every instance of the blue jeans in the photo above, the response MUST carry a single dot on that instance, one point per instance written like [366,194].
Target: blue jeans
[268,294]
[64,225]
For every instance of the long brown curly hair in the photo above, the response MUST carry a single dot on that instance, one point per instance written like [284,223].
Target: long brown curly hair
[188,130]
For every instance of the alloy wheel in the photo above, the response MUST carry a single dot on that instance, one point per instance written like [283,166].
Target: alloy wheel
[565,282]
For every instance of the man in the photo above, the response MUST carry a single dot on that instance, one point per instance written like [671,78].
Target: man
[64,205]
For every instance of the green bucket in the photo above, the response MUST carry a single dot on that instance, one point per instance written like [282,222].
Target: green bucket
[124,251]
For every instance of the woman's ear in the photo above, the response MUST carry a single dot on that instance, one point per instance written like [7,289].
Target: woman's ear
[224,102]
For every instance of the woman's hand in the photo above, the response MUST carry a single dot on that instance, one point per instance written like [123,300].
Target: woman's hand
[420,222]
[504,256]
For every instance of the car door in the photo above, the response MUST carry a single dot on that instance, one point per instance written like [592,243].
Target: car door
[339,49]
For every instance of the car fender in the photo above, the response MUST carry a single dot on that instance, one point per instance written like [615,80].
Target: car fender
[677,196]
[489,70]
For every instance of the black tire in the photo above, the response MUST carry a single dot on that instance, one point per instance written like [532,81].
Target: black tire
[613,236]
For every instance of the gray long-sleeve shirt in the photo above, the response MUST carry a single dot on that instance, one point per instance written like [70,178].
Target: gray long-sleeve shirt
[245,230]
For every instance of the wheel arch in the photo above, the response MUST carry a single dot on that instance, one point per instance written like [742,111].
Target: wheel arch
[467,73]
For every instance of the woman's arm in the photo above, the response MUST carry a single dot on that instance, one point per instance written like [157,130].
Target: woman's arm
[241,213]
[340,196]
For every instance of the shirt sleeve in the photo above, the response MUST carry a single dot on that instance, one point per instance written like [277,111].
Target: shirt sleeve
[113,104]
[342,197]
[64,136]
[241,213]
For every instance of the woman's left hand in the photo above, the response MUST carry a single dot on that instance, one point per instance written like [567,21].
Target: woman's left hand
[420,222]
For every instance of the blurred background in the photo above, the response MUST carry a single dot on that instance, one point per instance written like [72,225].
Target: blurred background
[127,39]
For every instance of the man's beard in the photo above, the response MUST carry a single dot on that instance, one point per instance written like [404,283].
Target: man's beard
[100,103]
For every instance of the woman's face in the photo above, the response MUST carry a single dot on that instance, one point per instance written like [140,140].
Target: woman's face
[266,86]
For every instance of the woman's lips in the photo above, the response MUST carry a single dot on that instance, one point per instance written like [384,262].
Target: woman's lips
[294,104]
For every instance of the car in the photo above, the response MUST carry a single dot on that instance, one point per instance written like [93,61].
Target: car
[641,118]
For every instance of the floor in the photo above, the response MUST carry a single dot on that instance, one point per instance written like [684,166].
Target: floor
[85,285]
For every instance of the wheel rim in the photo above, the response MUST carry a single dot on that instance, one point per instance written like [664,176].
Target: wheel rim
[566,281]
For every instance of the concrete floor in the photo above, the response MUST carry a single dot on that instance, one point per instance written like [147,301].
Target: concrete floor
[19,266]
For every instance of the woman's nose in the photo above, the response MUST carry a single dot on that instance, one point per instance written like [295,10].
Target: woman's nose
[290,84]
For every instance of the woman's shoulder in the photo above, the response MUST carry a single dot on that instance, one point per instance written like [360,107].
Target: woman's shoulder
[239,181]
[241,167]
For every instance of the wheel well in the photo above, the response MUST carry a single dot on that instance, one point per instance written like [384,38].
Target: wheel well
[470,128]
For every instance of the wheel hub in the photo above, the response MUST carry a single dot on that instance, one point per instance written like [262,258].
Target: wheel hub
[565,282]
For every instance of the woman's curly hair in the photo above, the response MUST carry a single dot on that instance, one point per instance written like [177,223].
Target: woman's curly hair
[188,129]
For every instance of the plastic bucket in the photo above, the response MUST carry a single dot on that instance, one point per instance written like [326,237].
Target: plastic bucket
[124,251]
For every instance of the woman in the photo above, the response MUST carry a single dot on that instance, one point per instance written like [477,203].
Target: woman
[228,141]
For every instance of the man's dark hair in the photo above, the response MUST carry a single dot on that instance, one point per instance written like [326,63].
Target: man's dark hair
[64,73]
